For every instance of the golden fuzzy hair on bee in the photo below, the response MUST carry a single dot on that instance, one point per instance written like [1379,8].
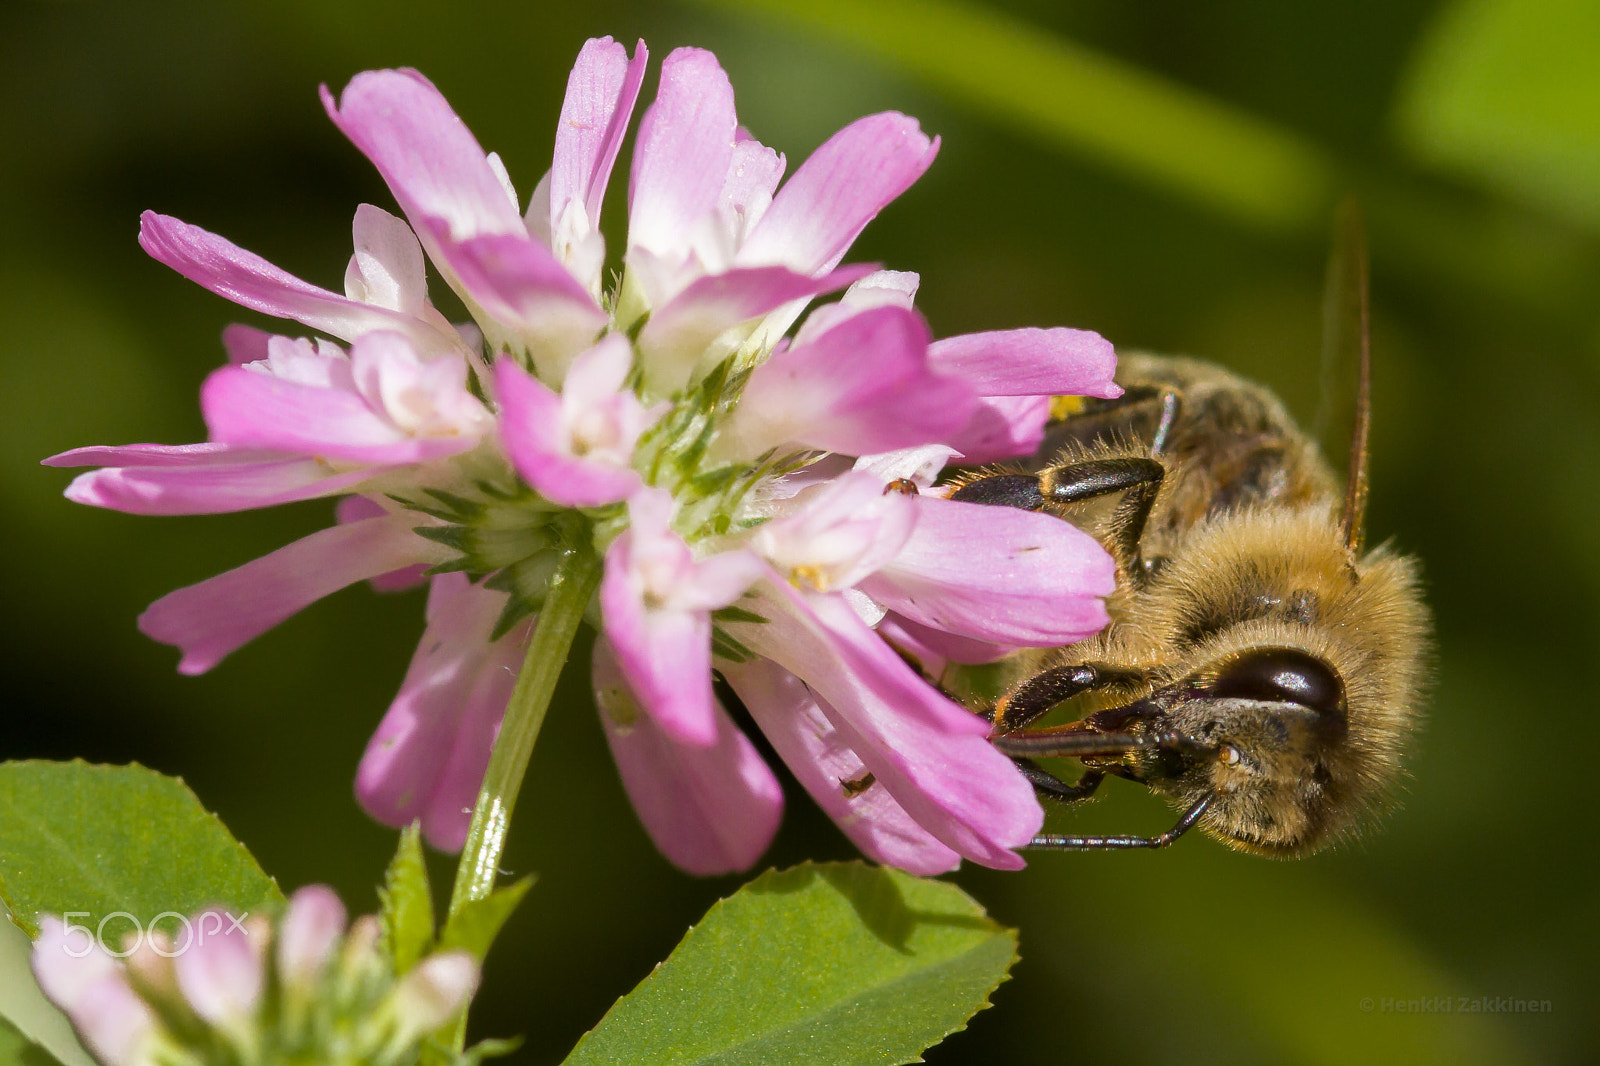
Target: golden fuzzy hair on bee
[1257,669]
[1365,619]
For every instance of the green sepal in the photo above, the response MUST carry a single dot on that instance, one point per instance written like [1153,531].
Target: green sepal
[474,927]
[450,536]
[515,610]
[406,902]
[462,508]
[437,1052]
[730,648]
[488,1049]
[458,565]
[735,613]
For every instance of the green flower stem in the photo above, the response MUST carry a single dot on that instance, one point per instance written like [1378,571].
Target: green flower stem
[574,583]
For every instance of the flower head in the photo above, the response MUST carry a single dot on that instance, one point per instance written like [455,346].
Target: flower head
[741,483]
[213,995]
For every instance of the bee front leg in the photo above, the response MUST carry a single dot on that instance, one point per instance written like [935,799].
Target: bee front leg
[1033,697]
[1122,843]
[1048,784]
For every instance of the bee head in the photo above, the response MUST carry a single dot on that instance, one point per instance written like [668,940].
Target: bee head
[1262,732]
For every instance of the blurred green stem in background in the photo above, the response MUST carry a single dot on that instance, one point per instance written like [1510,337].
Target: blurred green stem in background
[1230,161]
[574,583]
[1251,171]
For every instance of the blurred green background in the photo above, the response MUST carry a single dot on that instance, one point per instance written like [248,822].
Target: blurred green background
[1163,173]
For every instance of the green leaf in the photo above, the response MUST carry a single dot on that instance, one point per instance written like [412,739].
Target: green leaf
[117,845]
[18,1050]
[829,964]
[474,927]
[407,902]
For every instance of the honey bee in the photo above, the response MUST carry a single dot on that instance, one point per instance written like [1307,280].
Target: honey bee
[1261,669]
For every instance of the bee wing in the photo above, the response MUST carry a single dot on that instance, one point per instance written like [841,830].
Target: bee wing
[1345,412]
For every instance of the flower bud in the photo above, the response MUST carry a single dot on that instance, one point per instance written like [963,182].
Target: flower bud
[430,995]
[88,984]
[221,973]
[310,931]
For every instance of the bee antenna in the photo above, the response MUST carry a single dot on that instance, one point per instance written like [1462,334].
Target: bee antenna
[1347,331]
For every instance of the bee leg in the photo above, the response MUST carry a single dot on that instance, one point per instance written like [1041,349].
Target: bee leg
[1140,479]
[1039,693]
[1060,843]
[1048,784]
[1075,483]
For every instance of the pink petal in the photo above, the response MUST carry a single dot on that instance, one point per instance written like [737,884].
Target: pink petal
[1026,362]
[146,455]
[388,268]
[248,409]
[811,747]
[934,647]
[428,756]
[448,813]
[522,285]
[461,211]
[864,386]
[681,155]
[920,464]
[220,974]
[753,174]
[219,488]
[354,509]
[880,288]
[905,732]
[533,430]
[679,332]
[421,397]
[426,154]
[218,615]
[838,532]
[250,281]
[245,344]
[665,654]
[720,580]
[998,574]
[1002,427]
[655,600]
[711,810]
[822,208]
[601,92]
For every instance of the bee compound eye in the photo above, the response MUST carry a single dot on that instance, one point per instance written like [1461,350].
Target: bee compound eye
[1280,675]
